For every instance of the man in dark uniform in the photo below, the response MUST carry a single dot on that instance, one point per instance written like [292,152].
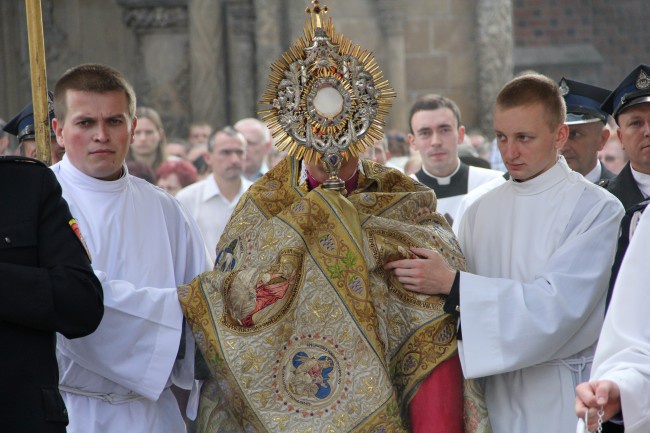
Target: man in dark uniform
[629,104]
[22,126]
[47,286]
[4,138]
[587,129]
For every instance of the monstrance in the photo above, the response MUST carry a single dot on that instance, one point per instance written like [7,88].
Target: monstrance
[326,97]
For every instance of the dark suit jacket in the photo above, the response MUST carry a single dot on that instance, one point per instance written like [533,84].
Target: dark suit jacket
[624,187]
[46,286]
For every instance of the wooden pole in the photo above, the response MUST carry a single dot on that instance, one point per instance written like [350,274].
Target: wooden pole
[39,79]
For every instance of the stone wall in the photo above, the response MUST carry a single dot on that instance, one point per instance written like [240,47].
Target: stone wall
[75,31]
[440,52]
[208,59]
[423,46]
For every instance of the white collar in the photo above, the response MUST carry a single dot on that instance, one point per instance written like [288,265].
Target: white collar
[211,189]
[642,181]
[544,181]
[594,175]
[443,180]
[81,180]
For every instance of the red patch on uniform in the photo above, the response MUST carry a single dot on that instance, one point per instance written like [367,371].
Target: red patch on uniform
[77,231]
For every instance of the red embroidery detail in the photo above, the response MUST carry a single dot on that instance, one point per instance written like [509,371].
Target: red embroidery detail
[77,231]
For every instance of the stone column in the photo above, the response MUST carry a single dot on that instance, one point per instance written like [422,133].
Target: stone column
[391,20]
[494,45]
[162,59]
[241,67]
[208,91]
[270,22]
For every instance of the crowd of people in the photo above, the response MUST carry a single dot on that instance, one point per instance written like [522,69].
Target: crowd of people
[149,268]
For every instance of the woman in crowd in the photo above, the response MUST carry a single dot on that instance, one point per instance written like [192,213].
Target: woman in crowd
[176,175]
[149,142]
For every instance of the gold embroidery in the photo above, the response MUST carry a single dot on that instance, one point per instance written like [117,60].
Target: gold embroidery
[252,361]
[307,364]
[319,309]
[369,386]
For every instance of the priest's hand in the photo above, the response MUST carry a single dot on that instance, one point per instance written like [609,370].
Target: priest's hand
[591,396]
[427,273]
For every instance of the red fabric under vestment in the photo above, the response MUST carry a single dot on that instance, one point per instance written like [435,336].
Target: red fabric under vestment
[438,404]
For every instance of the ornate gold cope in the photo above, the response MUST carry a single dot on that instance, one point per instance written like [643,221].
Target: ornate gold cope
[300,326]
[342,346]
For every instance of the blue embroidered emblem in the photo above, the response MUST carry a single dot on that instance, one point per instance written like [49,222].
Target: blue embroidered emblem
[225,260]
[317,370]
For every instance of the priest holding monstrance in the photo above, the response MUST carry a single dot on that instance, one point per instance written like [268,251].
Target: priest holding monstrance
[299,324]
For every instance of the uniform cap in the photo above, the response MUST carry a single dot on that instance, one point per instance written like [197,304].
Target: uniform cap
[22,125]
[633,90]
[583,102]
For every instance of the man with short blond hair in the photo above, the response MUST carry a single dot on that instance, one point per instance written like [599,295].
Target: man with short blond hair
[538,251]
[143,246]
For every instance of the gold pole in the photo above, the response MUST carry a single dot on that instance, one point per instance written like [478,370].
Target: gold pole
[39,79]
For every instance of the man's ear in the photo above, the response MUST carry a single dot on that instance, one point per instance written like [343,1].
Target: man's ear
[134,123]
[461,134]
[618,133]
[604,136]
[58,131]
[561,136]
[411,139]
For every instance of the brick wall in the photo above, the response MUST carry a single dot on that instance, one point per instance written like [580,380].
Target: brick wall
[610,37]
[621,34]
[552,22]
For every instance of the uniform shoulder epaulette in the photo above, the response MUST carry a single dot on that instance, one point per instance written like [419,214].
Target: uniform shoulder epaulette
[24,159]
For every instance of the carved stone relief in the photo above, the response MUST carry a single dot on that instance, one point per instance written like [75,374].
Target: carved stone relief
[162,58]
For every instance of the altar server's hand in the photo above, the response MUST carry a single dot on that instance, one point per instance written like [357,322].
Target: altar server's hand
[427,273]
[592,396]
